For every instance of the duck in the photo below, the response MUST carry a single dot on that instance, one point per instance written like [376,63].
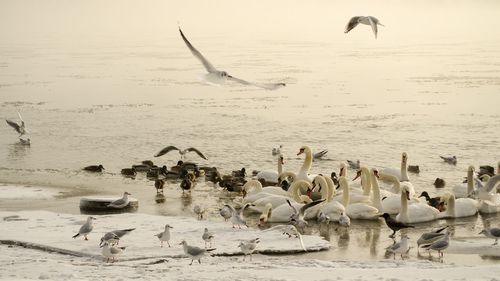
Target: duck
[416,212]
[458,208]
[401,174]
[94,168]
[129,172]
[187,183]
[414,169]
[239,173]
[439,183]
[159,185]
[270,177]
[435,202]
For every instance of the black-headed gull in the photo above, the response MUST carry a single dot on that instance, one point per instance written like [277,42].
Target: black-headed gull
[120,203]
[368,20]
[248,247]
[115,235]
[222,74]
[207,237]
[110,251]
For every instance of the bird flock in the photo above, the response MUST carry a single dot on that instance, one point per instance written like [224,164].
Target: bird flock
[295,199]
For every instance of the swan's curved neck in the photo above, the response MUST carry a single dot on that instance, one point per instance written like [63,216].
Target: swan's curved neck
[451,205]
[376,201]
[404,170]
[396,185]
[492,183]
[345,191]
[252,186]
[365,181]
[325,190]
[306,166]
[404,205]
[295,188]
[331,188]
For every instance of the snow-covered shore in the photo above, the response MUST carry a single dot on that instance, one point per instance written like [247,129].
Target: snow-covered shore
[144,259]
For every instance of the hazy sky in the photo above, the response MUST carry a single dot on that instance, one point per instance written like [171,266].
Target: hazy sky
[89,20]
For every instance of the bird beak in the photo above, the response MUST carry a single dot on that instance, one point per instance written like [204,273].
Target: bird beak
[358,174]
[407,195]
[300,152]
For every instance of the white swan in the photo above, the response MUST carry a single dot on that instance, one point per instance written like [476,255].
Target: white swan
[464,190]
[283,212]
[401,174]
[270,177]
[391,203]
[414,213]
[330,208]
[357,195]
[356,210]
[253,191]
[277,200]
[303,173]
[458,208]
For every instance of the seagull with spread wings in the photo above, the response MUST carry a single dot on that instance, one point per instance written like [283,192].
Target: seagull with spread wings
[20,128]
[222,74]
[368,20]
[181,152]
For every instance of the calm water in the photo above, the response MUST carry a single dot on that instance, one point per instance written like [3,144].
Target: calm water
[98,94]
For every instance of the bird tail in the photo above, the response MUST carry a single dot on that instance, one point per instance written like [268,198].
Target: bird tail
[76,235]
[210,250]
[129,230]
[122,248]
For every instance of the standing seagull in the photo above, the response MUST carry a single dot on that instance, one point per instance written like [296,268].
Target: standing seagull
[109,250]
[207,237]
[247,247]
[439,245]
[492,233]
[86,228]
[120,203]
[369,20]
[222,74]
[195,253]
[402,247]
[393,224]
[181,152]
[165,235]
[21,129]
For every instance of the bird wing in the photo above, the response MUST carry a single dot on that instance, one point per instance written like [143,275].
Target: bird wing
[394,247]
[194,251]
[309,205]
[267,86]
[166,150]
[495,231]
[86,228]
[14,125]
[230,208]
[295,211]
[197,152]
[122,232]
[117,202]
[208,66]
[115,250]
[373,23]
[353,22]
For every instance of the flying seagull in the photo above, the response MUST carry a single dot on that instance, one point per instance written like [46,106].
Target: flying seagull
[369,20]
[181,152]
[222,74]
[20,128]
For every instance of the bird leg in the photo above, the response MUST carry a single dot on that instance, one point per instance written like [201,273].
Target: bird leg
[191,262]
[496,242]
[393,234]
[199,261]
[161,244]
[168,244]
[85,237]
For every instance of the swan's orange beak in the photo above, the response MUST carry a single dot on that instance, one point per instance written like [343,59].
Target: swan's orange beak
[300,151]
[282,161]
[376,174]
[408,195]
